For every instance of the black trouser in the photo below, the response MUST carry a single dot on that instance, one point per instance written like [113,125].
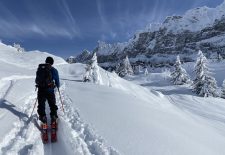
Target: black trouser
[44,95]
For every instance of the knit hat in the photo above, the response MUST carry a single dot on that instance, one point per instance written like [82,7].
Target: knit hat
[49,60]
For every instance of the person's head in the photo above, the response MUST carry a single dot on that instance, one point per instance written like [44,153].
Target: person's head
[49,60]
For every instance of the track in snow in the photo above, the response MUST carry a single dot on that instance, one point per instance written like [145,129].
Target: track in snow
[80,135]
[16,141]
[74,136]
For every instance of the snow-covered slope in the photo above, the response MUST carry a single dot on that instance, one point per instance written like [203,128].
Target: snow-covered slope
[152,124]
[29,60]
[20,133]
[118,117]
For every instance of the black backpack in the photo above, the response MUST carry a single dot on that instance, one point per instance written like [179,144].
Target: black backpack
[44,77]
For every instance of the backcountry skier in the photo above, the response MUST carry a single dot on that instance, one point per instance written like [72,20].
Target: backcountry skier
[47,78]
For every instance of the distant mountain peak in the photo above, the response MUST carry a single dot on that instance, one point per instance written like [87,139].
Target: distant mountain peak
[159,43]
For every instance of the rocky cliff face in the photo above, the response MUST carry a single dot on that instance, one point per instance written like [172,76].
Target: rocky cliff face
[201,28]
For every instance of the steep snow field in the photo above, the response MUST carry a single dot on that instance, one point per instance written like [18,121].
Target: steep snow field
[117,117]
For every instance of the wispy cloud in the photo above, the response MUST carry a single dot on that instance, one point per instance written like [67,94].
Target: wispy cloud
[101,13]
[131,21]
[70,19]
[106,28]
[11,26]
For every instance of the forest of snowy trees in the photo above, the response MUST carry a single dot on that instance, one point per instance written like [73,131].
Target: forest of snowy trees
[203,83]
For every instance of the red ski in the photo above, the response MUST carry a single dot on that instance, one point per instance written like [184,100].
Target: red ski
[54,132]
[44,132]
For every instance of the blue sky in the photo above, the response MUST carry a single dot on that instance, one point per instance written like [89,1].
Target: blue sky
[66,27]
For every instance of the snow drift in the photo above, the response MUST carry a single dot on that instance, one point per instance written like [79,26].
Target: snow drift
[117,117]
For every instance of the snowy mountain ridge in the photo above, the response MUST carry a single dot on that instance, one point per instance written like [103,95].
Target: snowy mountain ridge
[106,49]
[195,19]
[159,44]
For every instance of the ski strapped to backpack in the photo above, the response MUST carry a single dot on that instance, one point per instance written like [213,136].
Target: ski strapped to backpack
[44,77]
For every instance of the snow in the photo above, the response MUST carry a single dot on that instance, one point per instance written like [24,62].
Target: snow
[152,44]
[10,55]
[144,114]
[217,40]
[107,49]
[153,27]
[193,20]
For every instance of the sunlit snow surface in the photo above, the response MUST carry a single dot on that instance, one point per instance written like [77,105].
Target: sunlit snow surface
[193,20]
[144,115]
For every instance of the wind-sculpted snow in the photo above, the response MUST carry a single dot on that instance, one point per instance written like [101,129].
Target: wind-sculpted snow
[74,136]
[20,133]
[75,72]
[14,140]
[29,60]
[143,114]
[81,133]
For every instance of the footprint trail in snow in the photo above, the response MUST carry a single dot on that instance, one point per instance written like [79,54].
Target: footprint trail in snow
[74,136]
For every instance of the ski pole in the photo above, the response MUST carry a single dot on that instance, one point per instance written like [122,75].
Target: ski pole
[34,107]
[61,100]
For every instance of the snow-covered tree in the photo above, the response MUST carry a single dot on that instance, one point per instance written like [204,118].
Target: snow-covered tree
[219,57]
[18,47]
[139,69]
[125,68]
[109,79]
[223,90]
[117,67]
[92,71]
[179,75]
[71,60]
[146,71]
[87,76]
[204,84]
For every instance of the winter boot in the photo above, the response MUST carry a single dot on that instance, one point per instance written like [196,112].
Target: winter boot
[43,119]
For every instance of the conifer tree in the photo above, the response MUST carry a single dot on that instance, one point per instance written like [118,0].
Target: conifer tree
[92,72]
[219,58]
[204,84]
[179,75]
[125,68]
[223,90]
[139,69]
[146,71]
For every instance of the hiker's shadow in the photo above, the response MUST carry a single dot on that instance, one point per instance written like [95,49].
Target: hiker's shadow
[4,104]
